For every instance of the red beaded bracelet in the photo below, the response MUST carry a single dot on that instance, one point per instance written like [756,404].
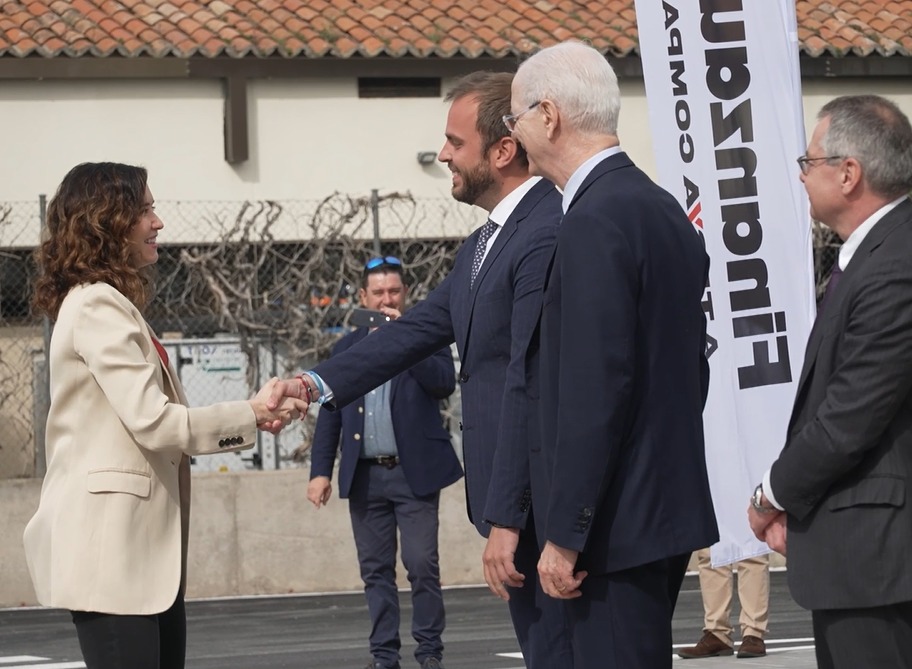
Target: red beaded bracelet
[309,390]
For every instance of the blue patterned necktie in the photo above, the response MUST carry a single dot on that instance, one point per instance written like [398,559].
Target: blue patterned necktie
[487,230]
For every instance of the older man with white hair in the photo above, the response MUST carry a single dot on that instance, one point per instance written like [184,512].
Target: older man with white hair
[620,490]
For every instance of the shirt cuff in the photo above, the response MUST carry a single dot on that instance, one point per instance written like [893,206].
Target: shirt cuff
[768,491]
[326,393]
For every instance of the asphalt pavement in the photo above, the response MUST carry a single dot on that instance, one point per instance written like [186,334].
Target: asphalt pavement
[330,632]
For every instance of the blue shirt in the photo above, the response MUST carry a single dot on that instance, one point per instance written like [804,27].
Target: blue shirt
[379,438]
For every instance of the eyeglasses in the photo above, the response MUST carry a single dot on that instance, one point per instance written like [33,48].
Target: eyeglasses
[805,163]
[374,263]
[511,119]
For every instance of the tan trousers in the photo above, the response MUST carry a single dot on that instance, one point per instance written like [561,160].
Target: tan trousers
[753,593]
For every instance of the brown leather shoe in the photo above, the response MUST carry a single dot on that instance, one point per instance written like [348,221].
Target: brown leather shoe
[752,646]
[709,646]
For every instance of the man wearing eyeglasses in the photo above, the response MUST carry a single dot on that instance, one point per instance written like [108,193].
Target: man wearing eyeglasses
[488,305]
[396,457]
[621,379]
[839,494]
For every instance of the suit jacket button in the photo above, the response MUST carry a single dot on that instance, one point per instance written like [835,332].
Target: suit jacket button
[360,409]
[357,437]
[463,377]
[221,443]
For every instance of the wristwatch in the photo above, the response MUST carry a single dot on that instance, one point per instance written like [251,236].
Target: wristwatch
[756,501]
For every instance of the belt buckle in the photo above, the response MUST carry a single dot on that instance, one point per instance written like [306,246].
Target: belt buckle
[388,461]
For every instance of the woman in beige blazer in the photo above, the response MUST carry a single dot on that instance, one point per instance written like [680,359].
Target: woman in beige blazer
[109,538]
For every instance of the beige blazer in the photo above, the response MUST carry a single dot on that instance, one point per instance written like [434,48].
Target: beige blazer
[110,532]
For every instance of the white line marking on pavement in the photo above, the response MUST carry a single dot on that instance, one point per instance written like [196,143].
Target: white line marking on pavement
[49,665]
[768,642]
[7,663]
[782,650]
[769,650]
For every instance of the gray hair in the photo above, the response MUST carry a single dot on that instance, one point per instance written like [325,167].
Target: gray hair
[877,134]
[579,80]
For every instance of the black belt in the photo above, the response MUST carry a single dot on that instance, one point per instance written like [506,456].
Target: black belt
[388,461]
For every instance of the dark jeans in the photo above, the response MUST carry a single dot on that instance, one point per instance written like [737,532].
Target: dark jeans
[133,642]
[380,501]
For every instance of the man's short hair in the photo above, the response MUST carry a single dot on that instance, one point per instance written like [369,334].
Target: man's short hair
[382,265]
[492,90]
[875,132]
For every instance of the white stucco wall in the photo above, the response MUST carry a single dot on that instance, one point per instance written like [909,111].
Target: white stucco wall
[308,137]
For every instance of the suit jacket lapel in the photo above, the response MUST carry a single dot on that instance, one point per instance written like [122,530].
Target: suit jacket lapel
[510,226]
[609,164]
[170,384]
[506,231]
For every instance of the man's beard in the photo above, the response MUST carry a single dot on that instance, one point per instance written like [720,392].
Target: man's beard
[476,181]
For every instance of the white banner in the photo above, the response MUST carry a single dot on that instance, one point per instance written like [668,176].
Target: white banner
[724,92]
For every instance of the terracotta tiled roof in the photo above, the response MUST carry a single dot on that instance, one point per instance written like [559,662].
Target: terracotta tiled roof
[859,27]
[396,28]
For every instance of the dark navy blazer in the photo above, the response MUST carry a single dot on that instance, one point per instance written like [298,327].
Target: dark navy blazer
[491,325]
[426,453]
[622,471]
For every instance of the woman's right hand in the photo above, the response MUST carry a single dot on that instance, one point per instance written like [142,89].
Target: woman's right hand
[288,409]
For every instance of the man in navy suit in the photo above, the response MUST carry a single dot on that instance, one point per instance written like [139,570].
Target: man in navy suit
[622,495]
[396,457]
[840,486]
[488,305]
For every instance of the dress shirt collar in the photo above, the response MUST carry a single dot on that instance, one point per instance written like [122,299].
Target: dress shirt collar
[847,250]
[503,210]
[579,176]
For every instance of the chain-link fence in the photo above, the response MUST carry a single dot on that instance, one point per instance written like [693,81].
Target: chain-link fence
[245,291]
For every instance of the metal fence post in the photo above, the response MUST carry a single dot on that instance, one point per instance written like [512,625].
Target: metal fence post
[375,210]
[43,398]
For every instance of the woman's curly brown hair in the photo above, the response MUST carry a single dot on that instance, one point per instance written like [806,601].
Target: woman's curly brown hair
[88,221]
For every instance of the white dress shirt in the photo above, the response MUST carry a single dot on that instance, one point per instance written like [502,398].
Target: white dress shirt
[846,252]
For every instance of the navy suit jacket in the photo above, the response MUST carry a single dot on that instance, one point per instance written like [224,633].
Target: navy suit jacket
[844,474]
[491,324]
[426,453]
[621,471]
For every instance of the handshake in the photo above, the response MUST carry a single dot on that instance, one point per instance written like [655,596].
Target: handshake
[281,401]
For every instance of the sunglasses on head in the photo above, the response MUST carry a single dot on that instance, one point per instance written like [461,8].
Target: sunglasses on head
[374,263]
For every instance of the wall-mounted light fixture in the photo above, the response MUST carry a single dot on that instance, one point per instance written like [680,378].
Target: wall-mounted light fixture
[427,157]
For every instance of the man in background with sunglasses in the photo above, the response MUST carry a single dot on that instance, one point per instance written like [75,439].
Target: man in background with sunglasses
[396,456]
[488,305]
